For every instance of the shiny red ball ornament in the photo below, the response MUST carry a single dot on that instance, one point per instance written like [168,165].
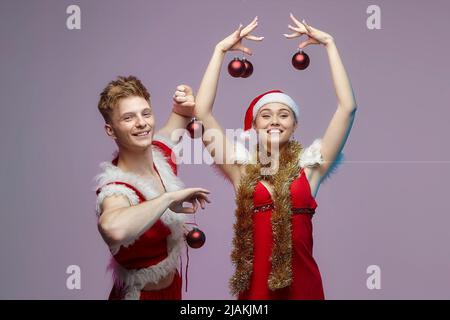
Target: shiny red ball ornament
[236,67]
[300,60]
[248,68]
[195,238]
[195,128]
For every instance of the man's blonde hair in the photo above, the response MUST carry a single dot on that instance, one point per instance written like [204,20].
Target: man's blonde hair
[120,88]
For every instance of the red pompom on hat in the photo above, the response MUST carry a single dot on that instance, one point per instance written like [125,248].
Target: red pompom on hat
[265,98]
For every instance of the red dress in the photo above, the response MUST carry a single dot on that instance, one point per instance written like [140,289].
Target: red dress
[306,279]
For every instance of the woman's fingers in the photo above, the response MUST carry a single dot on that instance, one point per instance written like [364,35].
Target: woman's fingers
[240,47]
[296,21]
[306,43]
[237,33]
[301,24]
[301,30]
[250,27]
[245,33]
[254,38]
[292,35]
[308,27]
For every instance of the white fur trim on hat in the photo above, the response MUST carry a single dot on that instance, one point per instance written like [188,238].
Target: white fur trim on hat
[277,97]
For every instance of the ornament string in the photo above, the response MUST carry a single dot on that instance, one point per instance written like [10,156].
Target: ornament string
[187,258]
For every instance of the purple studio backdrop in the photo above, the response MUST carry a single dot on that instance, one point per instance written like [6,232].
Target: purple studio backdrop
[387,206]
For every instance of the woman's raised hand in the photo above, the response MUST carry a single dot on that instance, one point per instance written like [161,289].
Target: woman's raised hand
[234,41]
[315,36]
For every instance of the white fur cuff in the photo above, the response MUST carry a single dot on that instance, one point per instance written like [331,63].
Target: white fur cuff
[312,156]
[115,190]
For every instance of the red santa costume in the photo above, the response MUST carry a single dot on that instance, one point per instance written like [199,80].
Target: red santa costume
[273,242]
[154,254]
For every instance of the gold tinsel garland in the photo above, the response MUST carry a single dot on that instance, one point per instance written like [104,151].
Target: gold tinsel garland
[242,254]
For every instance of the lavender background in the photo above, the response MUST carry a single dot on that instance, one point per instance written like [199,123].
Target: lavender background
[387,205]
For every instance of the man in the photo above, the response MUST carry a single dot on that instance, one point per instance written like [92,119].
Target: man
[139,196]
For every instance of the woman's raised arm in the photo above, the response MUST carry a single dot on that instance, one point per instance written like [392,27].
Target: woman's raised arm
[341,123]
[215,139]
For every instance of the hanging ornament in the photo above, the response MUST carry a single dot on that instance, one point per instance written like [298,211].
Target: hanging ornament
[195,238]
[195,128]
[248,68]
[236,68]
[300,60]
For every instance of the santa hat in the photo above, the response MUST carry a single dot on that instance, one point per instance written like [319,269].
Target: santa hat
[266,98]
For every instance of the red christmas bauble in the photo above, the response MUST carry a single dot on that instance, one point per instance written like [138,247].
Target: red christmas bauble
[195,238]
[236,67]
[300,60]
[248,68]
[195,128]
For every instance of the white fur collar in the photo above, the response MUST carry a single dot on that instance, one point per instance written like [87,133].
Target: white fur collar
[309,157]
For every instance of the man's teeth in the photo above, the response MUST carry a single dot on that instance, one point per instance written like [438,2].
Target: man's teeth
[142,134]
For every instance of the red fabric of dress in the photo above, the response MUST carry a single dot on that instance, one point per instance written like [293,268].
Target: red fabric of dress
[306,279]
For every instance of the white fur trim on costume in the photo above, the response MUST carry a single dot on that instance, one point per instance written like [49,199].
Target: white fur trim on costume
[241,155]
[134,280]
[165,139]
[277,97]
[115,190]
[312,156]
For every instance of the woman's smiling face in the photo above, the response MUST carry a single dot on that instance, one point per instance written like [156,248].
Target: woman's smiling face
[275,122]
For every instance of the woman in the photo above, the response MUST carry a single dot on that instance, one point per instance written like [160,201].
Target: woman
[273,231]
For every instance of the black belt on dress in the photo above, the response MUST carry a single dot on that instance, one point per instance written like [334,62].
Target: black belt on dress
[294,210]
